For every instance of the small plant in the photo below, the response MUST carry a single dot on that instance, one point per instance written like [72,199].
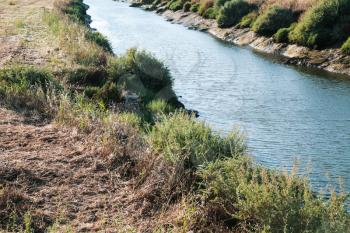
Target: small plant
[273,19]
[187,7]
[195,7]
[345,48]
[232,12]
[248,20]
[175,5]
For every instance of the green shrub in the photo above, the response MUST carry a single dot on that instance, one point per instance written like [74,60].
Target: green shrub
[143,74]
[109,93]
[220,3]
[153,74]
[195,7]
[183,140]
[86,76]
[261,200]
[99,39]
[273,19]
[324,24]
[175,5]
[232,12]
[345,48]
[211,13]
[76,10]
[187,6]
[204,6]
[281,36]
[248,20]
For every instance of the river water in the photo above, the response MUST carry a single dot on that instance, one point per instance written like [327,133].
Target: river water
[287,114]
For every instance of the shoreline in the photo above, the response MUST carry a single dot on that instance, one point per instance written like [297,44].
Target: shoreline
[332,61]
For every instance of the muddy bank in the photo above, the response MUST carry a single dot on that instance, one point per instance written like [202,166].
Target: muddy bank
[331,60]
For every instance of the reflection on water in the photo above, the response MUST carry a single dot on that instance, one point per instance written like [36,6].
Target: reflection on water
[286,113]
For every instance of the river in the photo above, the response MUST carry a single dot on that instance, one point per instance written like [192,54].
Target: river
[288,114]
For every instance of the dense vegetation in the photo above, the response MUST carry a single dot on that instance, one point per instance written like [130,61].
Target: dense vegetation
[272,20]
[317,24]
[176,162]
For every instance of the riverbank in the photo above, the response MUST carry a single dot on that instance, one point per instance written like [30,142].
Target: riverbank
[81,152]
[330,60]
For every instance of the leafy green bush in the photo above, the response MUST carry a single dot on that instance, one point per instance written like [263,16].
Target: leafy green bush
[281,36]
[260,200]
[187,6]
[248,20]
[153,74]
[273,19]
[175,5]
[324,24]
[345,48]
[220,3]
[183,140]
[195,7]
[204,6]
[99,39]
[232,12]
[211,13]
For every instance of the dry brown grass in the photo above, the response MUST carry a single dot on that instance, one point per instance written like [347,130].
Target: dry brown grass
[295,5]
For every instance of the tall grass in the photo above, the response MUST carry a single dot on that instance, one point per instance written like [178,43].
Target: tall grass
[72,39]
[28,89]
